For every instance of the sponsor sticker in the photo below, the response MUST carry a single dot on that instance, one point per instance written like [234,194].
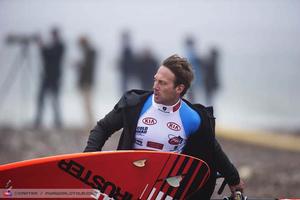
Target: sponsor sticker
[96,181]
[164,109]
[173,126]
[155,145]
[175,140]
[139,142]
[141,129]
[149,121]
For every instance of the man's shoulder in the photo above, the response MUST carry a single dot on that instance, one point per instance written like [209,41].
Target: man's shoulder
[133,97]
[189,109]
[190,117]
[200,108]
[193,107]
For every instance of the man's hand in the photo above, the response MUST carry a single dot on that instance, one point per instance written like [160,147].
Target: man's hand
[239,187]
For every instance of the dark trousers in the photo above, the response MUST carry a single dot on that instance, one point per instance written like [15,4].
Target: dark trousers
[49,89]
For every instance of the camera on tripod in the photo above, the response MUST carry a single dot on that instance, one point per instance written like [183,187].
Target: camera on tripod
[22,39]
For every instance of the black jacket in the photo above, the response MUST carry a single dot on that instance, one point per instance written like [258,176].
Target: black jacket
[201,144]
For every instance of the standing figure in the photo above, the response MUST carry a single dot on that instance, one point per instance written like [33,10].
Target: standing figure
[52,56]
[86,71]
[211,78]
[147,65]
[195,61]
[126,62]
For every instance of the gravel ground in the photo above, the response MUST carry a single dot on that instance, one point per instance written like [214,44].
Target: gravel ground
[267,172]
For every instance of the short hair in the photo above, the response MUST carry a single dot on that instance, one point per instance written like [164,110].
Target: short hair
[182,70]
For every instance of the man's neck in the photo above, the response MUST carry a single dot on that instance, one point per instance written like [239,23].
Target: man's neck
[168,108]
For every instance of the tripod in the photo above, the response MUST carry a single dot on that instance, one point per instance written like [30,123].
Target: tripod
[21,61]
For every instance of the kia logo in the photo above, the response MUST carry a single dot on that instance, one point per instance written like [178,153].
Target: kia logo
[149,121]
[173,126]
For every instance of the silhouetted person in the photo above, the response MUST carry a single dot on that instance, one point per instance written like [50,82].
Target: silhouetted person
[195,61]
[211,78]
[147,65]
[52,56]
[86,71]
[127,61]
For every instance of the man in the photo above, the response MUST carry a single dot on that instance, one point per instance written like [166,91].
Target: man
[127,62]
[211,78]
[147,65]
[195,60]
[52,56]
[151,119]
[86,71]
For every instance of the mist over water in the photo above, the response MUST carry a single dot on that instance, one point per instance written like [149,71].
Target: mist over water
[258,42]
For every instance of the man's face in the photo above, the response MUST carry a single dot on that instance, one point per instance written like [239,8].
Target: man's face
[164,88]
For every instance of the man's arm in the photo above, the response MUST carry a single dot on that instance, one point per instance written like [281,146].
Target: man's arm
[111,123]
[227,169]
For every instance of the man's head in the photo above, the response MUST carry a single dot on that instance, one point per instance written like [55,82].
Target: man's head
[55,33]
[172,80]
[83,42]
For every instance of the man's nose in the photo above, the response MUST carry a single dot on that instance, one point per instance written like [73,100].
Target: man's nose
[155,86]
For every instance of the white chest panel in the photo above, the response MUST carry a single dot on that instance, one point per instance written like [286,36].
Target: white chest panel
[160,129]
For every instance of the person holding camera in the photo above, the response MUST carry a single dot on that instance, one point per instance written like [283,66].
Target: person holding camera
[52,55]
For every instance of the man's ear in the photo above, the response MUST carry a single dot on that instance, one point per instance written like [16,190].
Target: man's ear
[180,88]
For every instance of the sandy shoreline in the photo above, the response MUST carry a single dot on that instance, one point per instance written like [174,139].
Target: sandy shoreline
[267,172]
